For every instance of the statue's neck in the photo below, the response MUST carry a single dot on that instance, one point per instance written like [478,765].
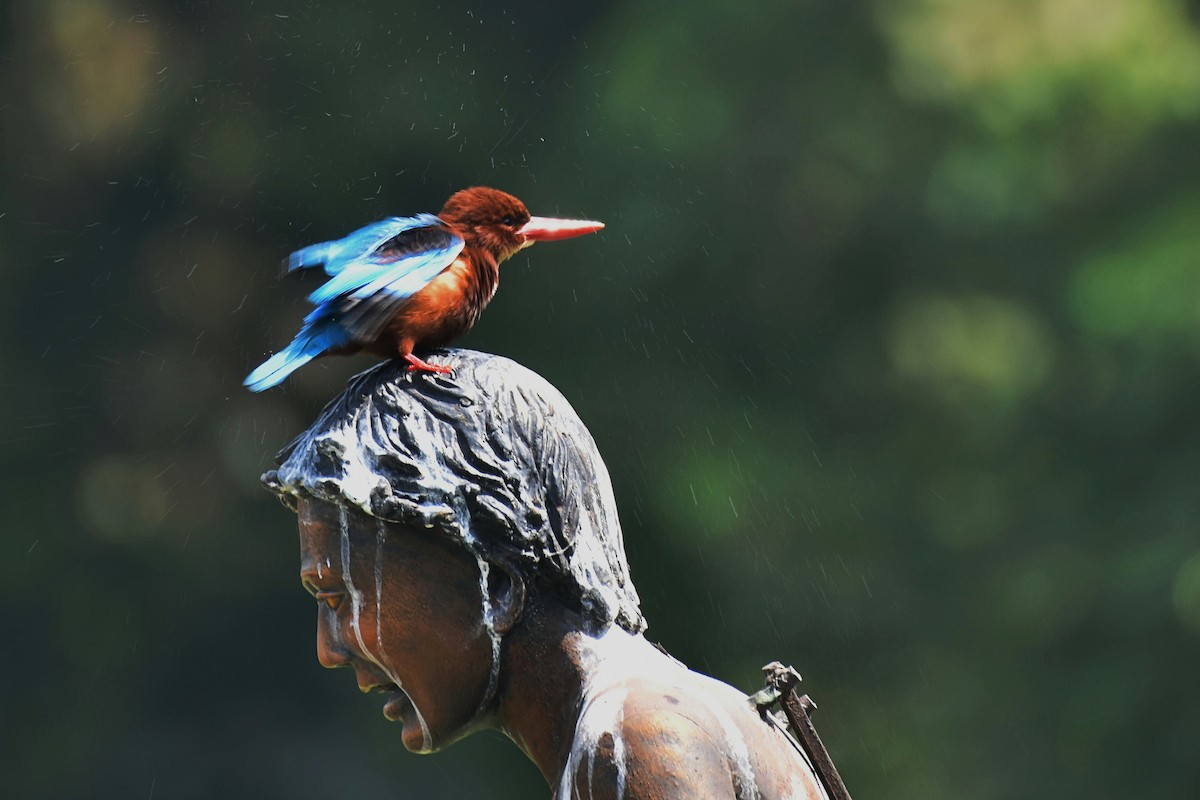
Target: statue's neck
[551,675]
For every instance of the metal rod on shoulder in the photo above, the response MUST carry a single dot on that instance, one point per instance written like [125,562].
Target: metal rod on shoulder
[780,688]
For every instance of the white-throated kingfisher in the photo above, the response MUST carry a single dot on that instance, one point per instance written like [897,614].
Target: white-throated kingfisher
[409,282]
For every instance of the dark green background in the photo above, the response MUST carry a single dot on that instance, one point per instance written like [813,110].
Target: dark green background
[891,345]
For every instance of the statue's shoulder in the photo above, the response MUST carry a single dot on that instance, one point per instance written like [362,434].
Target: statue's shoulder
[701,737]
[649,750]
[649,739]
[660,730]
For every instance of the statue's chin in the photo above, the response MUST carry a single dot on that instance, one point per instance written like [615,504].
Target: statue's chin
[414,733]
[415,741]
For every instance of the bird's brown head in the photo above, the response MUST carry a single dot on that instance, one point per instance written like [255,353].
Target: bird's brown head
[488,219]
[495,221]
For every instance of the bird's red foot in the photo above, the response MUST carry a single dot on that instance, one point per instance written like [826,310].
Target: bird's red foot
[417,365]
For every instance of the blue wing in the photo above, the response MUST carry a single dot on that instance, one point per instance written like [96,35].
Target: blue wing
[374,271]
[416,251]
[336,255]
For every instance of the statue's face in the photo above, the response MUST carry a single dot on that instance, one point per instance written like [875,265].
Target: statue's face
[404,609]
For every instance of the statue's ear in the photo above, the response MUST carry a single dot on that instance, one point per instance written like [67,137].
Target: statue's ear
[506,590]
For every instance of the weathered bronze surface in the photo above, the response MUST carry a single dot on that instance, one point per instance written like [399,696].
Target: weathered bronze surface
[460,537]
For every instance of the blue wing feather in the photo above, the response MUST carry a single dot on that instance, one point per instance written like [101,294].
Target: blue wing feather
[403,277]
[338,254]
[409,258]
[315,255]
[373,272]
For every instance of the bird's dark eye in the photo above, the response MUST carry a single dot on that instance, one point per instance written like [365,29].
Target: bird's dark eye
[507,220]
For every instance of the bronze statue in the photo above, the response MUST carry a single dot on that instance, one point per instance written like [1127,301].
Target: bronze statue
[460,536]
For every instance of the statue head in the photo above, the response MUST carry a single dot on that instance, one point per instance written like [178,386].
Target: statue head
[492,457]
[478,486]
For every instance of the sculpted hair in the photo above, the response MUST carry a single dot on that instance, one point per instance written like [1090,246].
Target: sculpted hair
[492,456]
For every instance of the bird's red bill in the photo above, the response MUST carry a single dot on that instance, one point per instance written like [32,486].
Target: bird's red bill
[548,229]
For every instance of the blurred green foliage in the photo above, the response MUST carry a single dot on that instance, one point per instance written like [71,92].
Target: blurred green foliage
[891,345]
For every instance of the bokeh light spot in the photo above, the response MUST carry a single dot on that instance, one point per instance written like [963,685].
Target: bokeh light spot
[1186,594]
[120,500]
[1042,596]
[1149,282]
[945,342]
[107,63]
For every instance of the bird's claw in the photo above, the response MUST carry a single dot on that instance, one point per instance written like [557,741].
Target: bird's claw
[417,365]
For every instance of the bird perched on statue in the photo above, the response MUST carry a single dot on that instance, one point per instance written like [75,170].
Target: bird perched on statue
[409,282]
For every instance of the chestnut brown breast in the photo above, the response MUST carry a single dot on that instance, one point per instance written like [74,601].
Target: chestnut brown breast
[445,309]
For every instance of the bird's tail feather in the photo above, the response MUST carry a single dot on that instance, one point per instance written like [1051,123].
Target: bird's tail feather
[307,345]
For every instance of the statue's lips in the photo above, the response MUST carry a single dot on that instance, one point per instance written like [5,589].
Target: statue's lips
[395,706]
